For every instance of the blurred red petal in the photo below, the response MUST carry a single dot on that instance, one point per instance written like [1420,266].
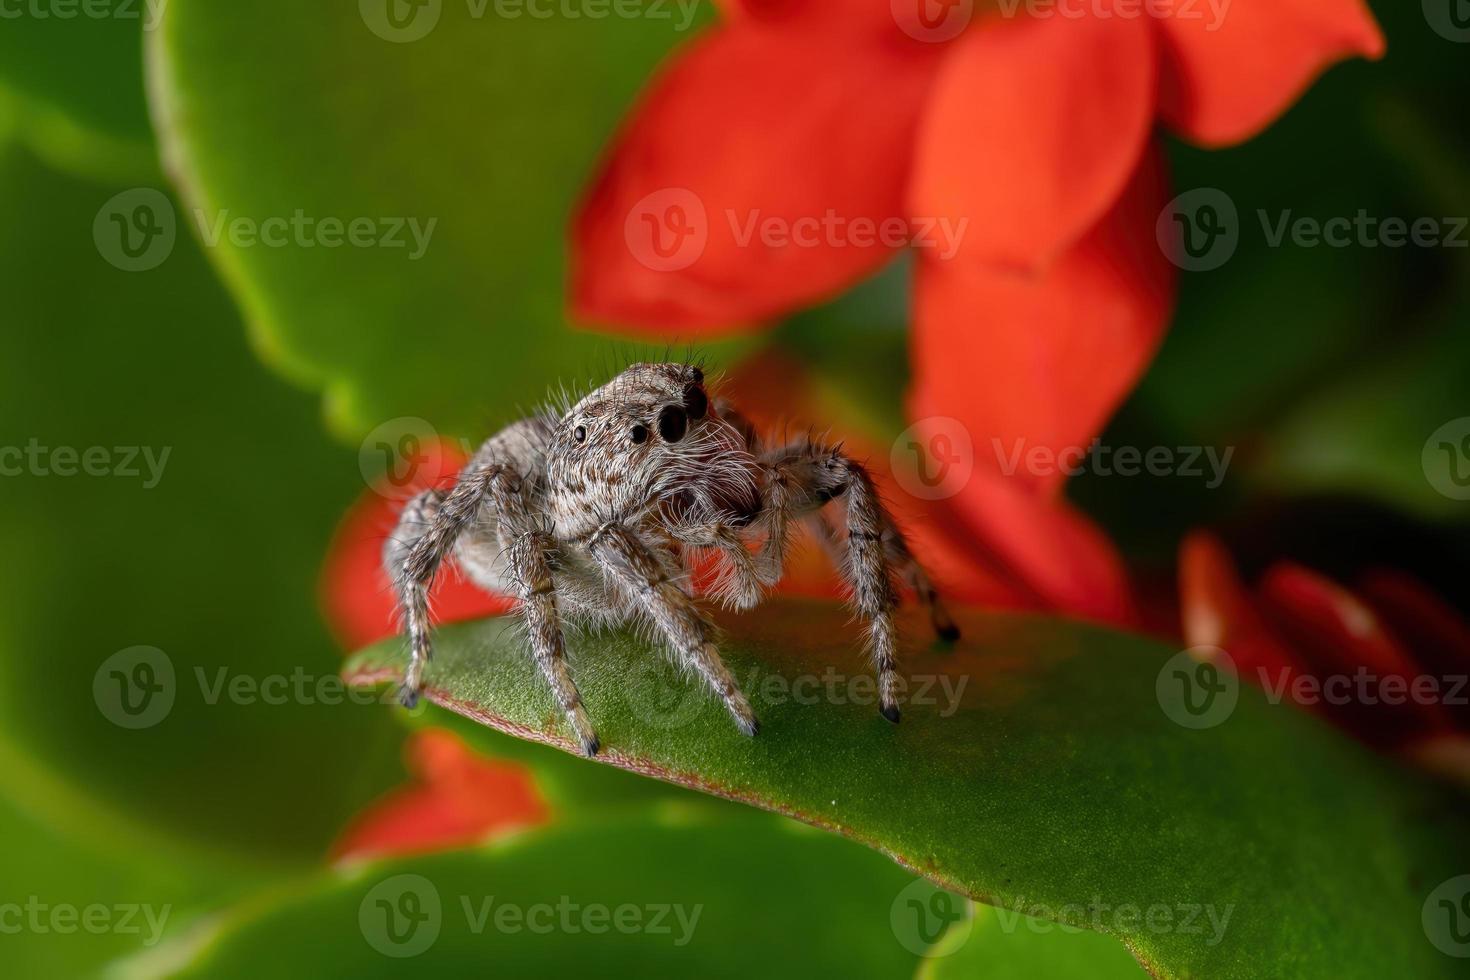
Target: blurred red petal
[1218,611]
[1349,646]
[1437,635]
[455,799]
[1038,363]
[778,395]
[754,177]
[357,598]
[1226,78]
[1034,127]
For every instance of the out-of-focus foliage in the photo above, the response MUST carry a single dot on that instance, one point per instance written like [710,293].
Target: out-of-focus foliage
[214,565]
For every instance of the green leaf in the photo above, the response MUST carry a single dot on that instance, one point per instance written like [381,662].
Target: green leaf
[208,555]
[1046,778]
[71,78]
[750,898]
[485,127]
[997,943]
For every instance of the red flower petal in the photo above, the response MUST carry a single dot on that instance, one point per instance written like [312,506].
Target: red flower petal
[1437,635]
[1218,611]
[1033,128]
[1226,78]
[357,598]
[1352,654]
[455,799]
[1038,363]
[1048,553]
[757,175]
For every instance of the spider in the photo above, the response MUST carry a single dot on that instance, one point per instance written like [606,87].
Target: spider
[594,515]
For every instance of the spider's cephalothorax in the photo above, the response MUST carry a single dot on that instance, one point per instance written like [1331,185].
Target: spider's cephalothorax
[593,515]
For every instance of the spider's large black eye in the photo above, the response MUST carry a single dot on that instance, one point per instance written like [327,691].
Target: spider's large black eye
[696,402]
[580,433]
[639,434]
[672,423]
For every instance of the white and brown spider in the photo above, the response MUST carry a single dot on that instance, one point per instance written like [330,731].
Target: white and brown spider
[594,515]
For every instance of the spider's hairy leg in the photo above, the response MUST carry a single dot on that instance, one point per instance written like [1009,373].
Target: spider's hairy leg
[531,568]
[815,474]
[906,565]
[741,583]
[629,562]
[414,565]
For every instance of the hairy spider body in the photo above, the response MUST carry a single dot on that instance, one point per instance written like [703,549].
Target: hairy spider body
[593,514]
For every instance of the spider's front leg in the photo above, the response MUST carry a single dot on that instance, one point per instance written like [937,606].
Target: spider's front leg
[809,476]
[637,569]
[489,488]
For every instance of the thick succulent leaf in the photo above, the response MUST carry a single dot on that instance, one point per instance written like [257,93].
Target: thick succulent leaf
[485,126]
[1001,943]
[201,546]
[1054,782]
[752,897]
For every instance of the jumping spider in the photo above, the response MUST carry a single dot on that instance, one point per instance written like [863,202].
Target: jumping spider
[592,515]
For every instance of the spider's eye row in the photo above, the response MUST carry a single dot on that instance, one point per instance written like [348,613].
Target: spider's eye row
[672,423]
[580,433]
[639,434]
[696,402]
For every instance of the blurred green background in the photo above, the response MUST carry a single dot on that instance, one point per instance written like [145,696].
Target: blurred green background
[261,369]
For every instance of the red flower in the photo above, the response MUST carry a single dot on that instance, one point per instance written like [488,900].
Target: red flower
[1386,661]
[765,163]
[455,799]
